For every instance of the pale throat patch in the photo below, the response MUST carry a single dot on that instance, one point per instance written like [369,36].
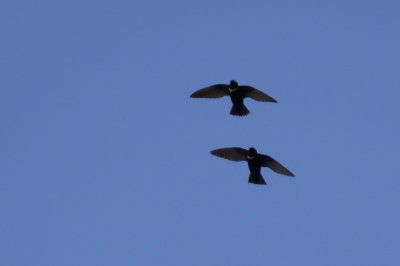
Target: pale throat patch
[232,90]
[250,157]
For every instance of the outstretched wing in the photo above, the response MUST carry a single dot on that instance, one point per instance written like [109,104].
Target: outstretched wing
[234,154]
[257,95]
[214,91]
[275,165]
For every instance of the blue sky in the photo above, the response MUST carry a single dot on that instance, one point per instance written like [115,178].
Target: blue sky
[105,158]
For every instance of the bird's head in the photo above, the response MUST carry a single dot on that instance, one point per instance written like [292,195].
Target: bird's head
[233,84]
[251,154]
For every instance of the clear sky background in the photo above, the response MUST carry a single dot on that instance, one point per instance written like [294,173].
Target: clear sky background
[105,158]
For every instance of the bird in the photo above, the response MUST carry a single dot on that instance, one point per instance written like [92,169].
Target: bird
[254,160]
[236,92]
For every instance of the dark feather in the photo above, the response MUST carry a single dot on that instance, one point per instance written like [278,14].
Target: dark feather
[257,179]
[239,110]
[214,91]
[257,95]
[275,166]
[234,154]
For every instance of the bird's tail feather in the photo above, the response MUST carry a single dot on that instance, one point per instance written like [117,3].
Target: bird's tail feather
[257,178]
[240,110]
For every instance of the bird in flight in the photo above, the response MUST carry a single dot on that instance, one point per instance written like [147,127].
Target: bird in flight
[236,92]
[254,160]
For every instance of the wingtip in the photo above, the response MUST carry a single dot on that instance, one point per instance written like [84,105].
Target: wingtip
[272,100]
[195,95]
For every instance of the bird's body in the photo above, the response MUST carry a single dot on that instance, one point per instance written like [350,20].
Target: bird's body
[255,176]
[237,97]
[254,160]
[236,93]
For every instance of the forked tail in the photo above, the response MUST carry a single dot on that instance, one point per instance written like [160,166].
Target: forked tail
[239,110]
[257,178]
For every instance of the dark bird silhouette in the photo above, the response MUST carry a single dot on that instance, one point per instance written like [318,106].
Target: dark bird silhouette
[237,94]
[254,160]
